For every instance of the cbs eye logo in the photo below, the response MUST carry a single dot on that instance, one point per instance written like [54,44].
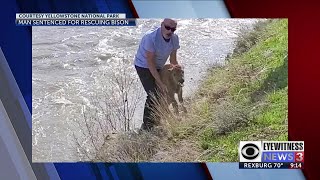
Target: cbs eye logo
[250,151]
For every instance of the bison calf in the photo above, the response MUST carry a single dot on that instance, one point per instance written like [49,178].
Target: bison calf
[173,77]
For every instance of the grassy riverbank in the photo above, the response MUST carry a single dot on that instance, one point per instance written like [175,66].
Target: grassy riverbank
[247,99]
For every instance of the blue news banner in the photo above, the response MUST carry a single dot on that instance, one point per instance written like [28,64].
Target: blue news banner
[276,160]
[73,19]
[75,22]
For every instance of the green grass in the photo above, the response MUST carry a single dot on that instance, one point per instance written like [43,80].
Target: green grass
[255,85]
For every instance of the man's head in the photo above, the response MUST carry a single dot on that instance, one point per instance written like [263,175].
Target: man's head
[168,26]
[177,73]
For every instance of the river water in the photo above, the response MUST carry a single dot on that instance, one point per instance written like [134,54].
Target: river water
[70,64]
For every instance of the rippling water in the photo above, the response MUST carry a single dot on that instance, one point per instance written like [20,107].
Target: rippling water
[68,62]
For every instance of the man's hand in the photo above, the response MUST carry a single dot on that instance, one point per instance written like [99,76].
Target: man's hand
[173,57]
[163,88]
[178,66]
[153,70]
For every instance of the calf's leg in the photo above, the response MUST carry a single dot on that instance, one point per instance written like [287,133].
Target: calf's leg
[174,104]
[184,109]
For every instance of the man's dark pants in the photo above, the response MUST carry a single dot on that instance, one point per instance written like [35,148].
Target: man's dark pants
[149,85]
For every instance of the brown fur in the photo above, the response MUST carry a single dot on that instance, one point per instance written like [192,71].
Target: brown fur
[173,78]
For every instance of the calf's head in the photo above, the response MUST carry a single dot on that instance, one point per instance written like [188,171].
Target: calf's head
[177,74]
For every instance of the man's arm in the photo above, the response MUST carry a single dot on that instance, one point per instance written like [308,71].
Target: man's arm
[152,68]
[173,57]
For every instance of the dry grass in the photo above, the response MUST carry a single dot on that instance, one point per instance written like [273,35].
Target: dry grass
[162,144]
[229,116]
[129,147]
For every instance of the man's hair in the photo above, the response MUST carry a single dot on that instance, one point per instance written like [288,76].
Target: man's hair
[169,19]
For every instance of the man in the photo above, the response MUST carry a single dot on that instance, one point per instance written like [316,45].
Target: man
[154,49]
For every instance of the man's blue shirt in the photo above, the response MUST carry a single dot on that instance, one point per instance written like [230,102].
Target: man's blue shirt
[153,41]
